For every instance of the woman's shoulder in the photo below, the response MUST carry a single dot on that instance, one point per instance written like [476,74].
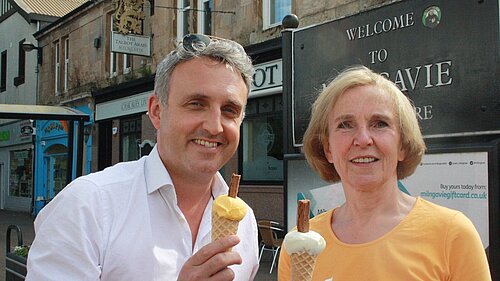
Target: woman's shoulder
[440,215]
[439,211]
[321,220]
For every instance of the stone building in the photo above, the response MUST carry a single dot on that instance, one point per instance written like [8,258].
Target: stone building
[81,71]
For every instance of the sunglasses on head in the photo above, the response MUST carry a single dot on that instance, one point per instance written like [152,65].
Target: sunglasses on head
[198,42]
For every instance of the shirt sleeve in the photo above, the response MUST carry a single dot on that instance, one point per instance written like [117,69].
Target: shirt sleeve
[68,240]
[466,254]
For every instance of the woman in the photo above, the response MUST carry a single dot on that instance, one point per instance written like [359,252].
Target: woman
[364,133]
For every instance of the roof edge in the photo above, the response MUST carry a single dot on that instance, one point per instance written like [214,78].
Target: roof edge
[80,8]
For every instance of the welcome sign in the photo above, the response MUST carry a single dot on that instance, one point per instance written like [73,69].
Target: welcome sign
[442,54]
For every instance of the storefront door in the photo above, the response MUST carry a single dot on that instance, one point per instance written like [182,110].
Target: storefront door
[55,167]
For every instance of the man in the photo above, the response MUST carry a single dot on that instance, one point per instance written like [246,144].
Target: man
[150,219]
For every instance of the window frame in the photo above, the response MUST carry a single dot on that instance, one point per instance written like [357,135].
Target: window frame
[3,71]
[21,65]
[202,18]
[66,65]
[266,15]
[181,19]
[57,67]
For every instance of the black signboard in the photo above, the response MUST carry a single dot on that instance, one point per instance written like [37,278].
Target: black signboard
[442,54]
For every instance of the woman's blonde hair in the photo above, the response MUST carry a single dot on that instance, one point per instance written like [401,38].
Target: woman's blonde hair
[411,138]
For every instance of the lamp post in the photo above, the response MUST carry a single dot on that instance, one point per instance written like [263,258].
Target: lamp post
[28,47]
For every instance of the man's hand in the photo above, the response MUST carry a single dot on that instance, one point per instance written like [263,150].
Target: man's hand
[211,262]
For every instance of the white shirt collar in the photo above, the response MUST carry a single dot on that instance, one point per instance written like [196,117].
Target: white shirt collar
[157,176]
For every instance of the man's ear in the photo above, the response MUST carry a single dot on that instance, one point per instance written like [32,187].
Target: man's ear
[154,110]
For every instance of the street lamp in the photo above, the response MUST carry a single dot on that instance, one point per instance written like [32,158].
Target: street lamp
[28,47]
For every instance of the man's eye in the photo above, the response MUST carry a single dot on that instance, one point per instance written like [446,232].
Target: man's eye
[195,104]
[231,111]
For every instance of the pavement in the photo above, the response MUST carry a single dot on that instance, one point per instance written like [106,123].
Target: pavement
[25,223]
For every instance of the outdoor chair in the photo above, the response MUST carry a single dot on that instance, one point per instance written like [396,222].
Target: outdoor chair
[270,241]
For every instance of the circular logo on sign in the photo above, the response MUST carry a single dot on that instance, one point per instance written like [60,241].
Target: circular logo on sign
[431,16]
[266,136]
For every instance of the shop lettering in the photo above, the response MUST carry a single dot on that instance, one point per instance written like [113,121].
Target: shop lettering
[126,106]
[54,126]
[264,75]
[381,26]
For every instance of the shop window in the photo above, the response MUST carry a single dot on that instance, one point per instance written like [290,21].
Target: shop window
[21,173]
[130,139]
[262,140]
[274,11]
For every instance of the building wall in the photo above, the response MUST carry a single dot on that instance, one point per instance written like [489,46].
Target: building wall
[14,29]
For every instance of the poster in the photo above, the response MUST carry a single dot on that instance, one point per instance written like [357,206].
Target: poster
[455,180]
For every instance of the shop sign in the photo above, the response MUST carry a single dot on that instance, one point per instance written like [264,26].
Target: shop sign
[131,44]
[4,135]
[26,131]
[16,133]
[121,107]
[267,79]
[427,48]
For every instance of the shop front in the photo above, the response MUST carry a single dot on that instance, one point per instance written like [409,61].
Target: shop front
[124,132]
[260,154]
[16,166]
[52,156]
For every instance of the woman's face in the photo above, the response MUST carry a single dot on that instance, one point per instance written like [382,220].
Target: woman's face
[364,138]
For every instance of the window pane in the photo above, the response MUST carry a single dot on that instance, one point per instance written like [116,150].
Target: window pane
[279,9]
[21,173]
[207,25]
[131,138]
[263,144]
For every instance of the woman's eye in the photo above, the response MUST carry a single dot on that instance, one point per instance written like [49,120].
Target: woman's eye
[381,124]
[344,125]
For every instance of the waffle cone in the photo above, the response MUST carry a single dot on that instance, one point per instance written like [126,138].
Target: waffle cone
[302,266]
[222,227]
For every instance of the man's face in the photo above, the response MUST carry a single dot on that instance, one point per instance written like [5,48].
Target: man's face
[198,130]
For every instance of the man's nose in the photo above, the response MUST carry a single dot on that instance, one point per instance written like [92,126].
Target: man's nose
[213,122]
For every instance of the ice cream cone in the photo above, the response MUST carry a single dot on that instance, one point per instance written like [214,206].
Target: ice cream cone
[302,266]
[228,211]
[222,227]
[303,245]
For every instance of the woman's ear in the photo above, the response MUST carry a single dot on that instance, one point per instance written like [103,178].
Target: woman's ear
[326,149]
[154,110]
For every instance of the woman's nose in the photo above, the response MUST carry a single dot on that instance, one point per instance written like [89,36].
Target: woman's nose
[363,137]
